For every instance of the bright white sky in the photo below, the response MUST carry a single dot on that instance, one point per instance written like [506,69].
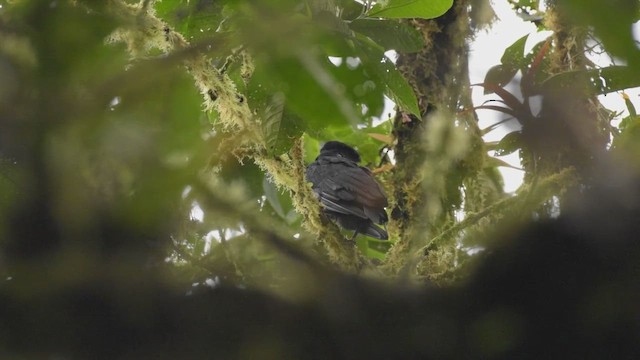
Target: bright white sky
[486,51]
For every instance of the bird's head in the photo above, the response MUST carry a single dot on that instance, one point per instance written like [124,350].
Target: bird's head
[336,148]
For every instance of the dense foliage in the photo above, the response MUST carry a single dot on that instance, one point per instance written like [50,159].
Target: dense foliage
[156,148]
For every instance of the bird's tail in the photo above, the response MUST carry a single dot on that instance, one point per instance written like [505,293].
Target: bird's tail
[375,232]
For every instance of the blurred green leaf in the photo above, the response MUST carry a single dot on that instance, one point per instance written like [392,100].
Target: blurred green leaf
[390,34]
[381,246]
[397,87]
[509,143]
[193,19]
[350,9]
[271,193]
[198,245]
[311,148]
[332,22]
[628,139]
[280,128]
[630,107]
[385,138]
[360,86]
[499,75]
[612,21]
[373,249]
[248,174]
[594,82]
[426,9]
[514,59]
[310,89]
[491,162]
[272,120]
[375,254]
[292,127]
[280,202]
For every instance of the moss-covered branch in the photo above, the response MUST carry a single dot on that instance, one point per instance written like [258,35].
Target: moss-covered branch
[142,31]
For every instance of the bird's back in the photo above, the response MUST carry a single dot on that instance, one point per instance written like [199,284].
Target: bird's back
[345,187]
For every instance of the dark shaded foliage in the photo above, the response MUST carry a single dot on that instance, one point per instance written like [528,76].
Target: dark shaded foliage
[566,287]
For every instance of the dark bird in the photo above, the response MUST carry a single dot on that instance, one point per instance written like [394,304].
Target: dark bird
[348,192]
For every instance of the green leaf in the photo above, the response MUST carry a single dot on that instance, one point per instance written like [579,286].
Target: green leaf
[631,121]
[491,162]
[311,148]
[333,23]
[425,9]
[248,174]
[390,34]
[271,193]
[375,254]
[360,85]
[291,128]
[370,247]
[272,119]
[279,126]
[629,138]
[514,59]
[279,202]
[378,248]
[509,143]
[350,9]
[513,56]
[311,91]
[594,82]
[397,88]
[193,19]
[612,21]
[499,75]
[198,246]
[630,107]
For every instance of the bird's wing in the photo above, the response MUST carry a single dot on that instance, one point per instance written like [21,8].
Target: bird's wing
[347,188]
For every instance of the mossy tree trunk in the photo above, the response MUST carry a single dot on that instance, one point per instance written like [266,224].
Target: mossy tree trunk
[439,77]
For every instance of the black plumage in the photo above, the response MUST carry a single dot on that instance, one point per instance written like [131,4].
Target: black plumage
[348,192]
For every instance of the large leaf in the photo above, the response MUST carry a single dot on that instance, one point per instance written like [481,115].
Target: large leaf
[360,85]
[514,54]
[272,195]
[291,128]
[426,9]
[350,9]
[390,34]
[510,63]
[311,91]
[499,75]
[514,59]
[193,19]
[373,249]
[272,120]
[509,143]
[396,86]
[594,82]
[612,21]
[279,126]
